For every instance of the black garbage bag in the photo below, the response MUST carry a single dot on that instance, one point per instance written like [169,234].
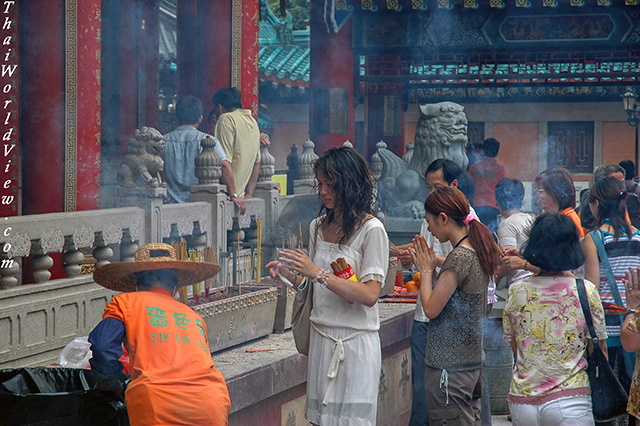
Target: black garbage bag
[57,397]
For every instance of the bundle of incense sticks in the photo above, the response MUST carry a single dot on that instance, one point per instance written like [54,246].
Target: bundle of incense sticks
[238,266]
[250,268]
[300,232]
[339,265]
[259,251]
[500,246]
[195,289]
[196,286]
[209,256]
[181,252]
[293,242]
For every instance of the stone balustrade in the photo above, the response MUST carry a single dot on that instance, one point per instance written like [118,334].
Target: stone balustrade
[37,320]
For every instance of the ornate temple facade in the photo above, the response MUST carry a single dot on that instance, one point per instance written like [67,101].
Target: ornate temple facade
[543,76]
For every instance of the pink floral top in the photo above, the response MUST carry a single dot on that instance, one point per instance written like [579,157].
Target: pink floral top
[544,318]
[633,406]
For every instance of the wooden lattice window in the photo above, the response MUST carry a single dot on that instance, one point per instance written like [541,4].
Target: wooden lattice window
[475,133]
[570,145]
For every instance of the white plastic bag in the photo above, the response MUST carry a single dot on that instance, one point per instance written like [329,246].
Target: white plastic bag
[76,354]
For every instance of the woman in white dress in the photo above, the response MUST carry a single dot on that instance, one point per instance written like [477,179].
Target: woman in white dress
[344,353]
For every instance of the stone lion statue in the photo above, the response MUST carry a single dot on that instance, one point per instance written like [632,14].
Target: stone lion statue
[142,164]
[441,133]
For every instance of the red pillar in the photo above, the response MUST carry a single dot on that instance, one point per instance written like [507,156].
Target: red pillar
[9,81]
[42,132]
[247,55]
[60,117]
[220,55]
[138,60]
[87,109]
[127,108]
[332,67]
[149,46]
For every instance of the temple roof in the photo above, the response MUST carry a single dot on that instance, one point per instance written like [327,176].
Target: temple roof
[284,53]
[167,32]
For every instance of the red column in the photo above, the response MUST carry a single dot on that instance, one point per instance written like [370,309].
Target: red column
[42,133]
[138,67]
[88,89]
[248,51]
[128,111]
[332,67]
[204,50]
[9,79]
[149,45]
[211,56]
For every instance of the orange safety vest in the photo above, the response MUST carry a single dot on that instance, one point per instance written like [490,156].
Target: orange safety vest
[173,379]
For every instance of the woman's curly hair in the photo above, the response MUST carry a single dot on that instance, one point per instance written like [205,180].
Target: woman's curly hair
[354,185]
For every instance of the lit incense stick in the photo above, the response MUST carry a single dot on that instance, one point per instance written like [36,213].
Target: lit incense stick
[259,254]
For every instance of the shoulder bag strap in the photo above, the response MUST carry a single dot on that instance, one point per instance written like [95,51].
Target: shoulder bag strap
[584,302]
[602,253]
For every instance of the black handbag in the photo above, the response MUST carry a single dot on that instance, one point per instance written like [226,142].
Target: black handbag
[608,397]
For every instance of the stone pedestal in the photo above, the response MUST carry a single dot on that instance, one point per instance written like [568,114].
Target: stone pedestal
[402,230]
[222,212]
[150,199]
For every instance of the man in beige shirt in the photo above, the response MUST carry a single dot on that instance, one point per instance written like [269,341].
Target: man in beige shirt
[239,136]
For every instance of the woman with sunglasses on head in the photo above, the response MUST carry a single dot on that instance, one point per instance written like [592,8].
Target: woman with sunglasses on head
[456,307]
[555,193]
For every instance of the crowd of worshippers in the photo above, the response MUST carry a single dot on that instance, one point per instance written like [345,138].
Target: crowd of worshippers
[474,238]
[543,257]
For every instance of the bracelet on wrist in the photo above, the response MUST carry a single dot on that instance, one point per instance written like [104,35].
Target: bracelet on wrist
[526,262]
[321,277]
[629,312]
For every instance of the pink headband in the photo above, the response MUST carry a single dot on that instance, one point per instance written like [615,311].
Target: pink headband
[470,217]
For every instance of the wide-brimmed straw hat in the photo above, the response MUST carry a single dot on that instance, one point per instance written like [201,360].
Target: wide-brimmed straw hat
[123,276]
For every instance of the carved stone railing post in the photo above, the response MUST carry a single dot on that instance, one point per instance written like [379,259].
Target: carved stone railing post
[211,190]
[409,154]
[266,189]
[292,168]
[52,241]
[102,255]
[9,268]
[307,180]
[72,258]
[198,238]
[267,165]
[208,163]
[83,237]
[128,246]
[376,162]
[17,247]
[112,234]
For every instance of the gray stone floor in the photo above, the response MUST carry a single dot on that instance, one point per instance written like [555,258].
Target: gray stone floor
[500,421]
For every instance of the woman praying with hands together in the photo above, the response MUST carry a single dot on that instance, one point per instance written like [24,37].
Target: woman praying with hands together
[456,307]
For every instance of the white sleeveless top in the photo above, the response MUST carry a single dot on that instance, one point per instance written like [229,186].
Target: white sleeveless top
[368,254]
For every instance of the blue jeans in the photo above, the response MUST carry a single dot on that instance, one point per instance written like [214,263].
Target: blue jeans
[570,411]
[419,416]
